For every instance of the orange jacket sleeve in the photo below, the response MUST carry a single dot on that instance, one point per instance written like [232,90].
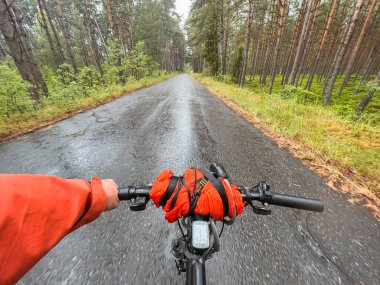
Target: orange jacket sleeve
[36,212]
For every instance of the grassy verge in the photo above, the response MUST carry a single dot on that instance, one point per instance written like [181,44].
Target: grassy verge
[345,153]
[20,123]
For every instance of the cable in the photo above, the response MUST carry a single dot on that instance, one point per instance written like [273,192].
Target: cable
[221,231]
[180,227]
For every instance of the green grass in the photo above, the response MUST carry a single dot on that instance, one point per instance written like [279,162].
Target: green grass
[57,108]
[344,105]
[354,145]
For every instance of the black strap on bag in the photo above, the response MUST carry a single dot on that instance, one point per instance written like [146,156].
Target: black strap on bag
[169,191]
[174,200]
[218,185]
[176,184]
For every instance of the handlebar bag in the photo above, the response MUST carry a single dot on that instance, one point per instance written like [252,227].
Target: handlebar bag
[196,192]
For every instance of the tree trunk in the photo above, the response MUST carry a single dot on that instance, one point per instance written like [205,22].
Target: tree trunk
[367,98]
[308,38]
[254,63]
[247,41]
[66,34]
[342,49]
[294,42]
[54,31]
[94,45]
[322,43]
[224,20]
[327,60]
[257,45]
[358,45]
[85,54]
[282,4]
[110,17]
[3,53]
[43,23]
[19,48]
[268,46]
[293,73]
[123,27]
[370,62]
[131,19]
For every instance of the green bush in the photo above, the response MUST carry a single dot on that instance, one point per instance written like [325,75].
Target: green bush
[113,70]
[299,94]
[65,73]
[138,62]
[14,91]
[65,87]
[219,76]
[88,77]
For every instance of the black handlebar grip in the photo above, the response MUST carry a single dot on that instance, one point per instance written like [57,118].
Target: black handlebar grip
[123,194]
[133,192]
[296,202]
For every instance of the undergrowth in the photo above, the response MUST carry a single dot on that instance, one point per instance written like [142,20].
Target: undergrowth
[344,105]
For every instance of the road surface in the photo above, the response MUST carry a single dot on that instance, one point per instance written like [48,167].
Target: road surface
[176,124]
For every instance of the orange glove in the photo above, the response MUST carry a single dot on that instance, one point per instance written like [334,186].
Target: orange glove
[197,192]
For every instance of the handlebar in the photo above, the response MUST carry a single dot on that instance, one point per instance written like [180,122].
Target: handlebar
[290,201]
[297,202]
[258,193]
[133,192]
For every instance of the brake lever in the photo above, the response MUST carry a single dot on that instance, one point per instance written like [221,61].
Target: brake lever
[261,188]
[261,210]
[138,205]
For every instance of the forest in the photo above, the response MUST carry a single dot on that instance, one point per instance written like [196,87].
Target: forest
[310,69]
[58,56]
[306,73]
[322,52]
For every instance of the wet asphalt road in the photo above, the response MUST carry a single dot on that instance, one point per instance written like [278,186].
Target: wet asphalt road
[177,124]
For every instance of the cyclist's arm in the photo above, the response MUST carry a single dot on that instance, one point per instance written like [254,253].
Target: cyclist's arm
[37,211]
